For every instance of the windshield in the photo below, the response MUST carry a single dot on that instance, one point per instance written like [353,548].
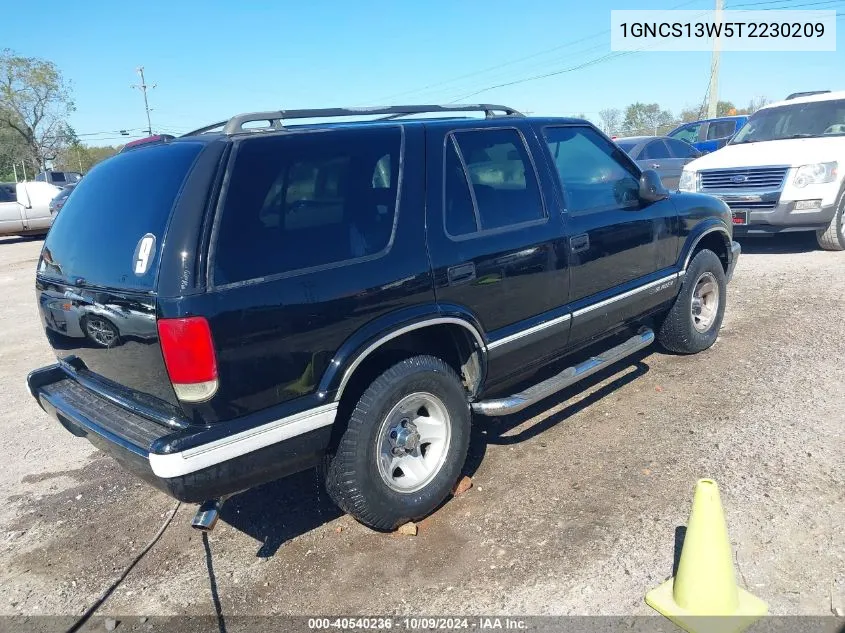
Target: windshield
[798,120]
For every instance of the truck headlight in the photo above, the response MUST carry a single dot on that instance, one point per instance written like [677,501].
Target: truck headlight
[817,174]
[687,182]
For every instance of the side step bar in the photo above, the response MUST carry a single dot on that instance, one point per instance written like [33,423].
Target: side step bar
[569,376]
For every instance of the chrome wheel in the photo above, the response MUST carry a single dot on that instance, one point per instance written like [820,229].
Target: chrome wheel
[705,302]
[101,331]
[413,441]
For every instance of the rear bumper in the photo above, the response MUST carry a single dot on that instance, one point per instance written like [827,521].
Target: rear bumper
[194,464]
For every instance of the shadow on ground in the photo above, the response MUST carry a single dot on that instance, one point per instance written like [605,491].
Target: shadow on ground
[803,242]
[17,239]
[281,510]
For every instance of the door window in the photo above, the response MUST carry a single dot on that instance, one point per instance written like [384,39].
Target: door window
[688,133]
[655,149]
[594,173]
[720,129]
[504,187]
[8,193]
[680,149]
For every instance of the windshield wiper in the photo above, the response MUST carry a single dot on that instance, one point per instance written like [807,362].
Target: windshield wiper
[804,135]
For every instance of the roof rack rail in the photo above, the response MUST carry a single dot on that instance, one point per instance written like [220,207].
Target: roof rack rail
[275,119]
[795,95]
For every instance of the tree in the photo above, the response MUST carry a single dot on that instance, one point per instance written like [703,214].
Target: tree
[755,104]
[611,119]
[35,102]
[725,108]
[78,157]
[647,118]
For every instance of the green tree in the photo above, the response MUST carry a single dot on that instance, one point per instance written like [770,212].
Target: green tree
[725,108]
[647,118]
[78,157]
[35,102]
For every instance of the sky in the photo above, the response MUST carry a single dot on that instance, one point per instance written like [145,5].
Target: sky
[210,60]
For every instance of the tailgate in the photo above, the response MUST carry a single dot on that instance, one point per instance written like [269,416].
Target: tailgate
[97,278]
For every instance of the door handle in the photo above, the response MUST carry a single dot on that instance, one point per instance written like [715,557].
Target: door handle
[579,243]
[461,273]
[655,165]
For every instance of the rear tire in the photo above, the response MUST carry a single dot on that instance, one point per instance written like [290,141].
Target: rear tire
[693,322]
[833,237]
[414,416]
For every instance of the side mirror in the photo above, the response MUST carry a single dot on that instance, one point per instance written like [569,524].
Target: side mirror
[651,187]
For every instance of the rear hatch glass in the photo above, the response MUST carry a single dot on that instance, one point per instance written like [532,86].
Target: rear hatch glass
[110,232]
[97,274]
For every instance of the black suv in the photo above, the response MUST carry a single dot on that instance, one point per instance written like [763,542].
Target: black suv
[239,304]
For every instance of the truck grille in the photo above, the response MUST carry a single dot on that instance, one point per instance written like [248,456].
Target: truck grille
[756,205]
[746,178]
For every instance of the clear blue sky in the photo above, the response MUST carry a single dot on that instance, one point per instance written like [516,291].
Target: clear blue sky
[212,59]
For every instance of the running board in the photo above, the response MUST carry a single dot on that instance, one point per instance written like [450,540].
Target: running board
[569,376]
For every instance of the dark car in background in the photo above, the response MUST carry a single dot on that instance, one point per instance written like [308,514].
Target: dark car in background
[58,202]
[708,135]
[667,156]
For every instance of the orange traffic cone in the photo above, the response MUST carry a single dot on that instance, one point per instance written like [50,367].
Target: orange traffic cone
[704,596]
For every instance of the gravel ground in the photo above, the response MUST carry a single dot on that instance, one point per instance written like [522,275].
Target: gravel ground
[574,509]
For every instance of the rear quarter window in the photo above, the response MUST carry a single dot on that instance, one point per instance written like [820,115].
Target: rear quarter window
[124,200]
[301,201]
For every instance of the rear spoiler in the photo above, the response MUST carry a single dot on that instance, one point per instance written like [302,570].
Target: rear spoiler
[149,140]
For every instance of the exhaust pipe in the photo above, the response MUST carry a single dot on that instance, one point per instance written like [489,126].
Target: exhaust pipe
[206,517]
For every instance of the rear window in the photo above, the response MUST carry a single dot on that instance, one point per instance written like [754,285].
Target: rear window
[110,231]
[308,200]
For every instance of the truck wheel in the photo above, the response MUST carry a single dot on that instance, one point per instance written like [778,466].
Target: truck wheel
[405,445]
[833,237]
[693,322]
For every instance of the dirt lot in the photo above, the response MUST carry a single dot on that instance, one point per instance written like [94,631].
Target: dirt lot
[575,504]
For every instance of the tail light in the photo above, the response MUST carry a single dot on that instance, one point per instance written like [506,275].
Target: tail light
[189,357]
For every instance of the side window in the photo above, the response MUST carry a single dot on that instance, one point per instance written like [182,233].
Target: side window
[504,184]
[458,209]
[381,173]
[688,133]
[298,201]
[720,129]
[8,193]
[594,173]
[680,149]
[655,149]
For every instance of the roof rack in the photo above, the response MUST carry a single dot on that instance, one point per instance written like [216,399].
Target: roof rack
[275,119]
[795,95]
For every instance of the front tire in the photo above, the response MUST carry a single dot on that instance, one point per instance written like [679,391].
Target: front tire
[693,322]
[405,444]
[833,237]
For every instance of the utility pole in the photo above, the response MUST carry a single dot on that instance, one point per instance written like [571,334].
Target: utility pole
[143,88]
[713,91]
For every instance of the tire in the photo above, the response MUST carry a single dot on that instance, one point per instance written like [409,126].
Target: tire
[100,331]
[692,326]
[365,476]
[833,237]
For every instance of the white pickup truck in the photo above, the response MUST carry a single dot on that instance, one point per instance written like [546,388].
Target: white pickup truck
[25,207]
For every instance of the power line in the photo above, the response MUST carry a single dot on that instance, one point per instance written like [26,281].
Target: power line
[513,61]
[782,2]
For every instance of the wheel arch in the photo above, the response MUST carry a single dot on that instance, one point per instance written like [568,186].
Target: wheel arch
[458,338]
[714,236]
